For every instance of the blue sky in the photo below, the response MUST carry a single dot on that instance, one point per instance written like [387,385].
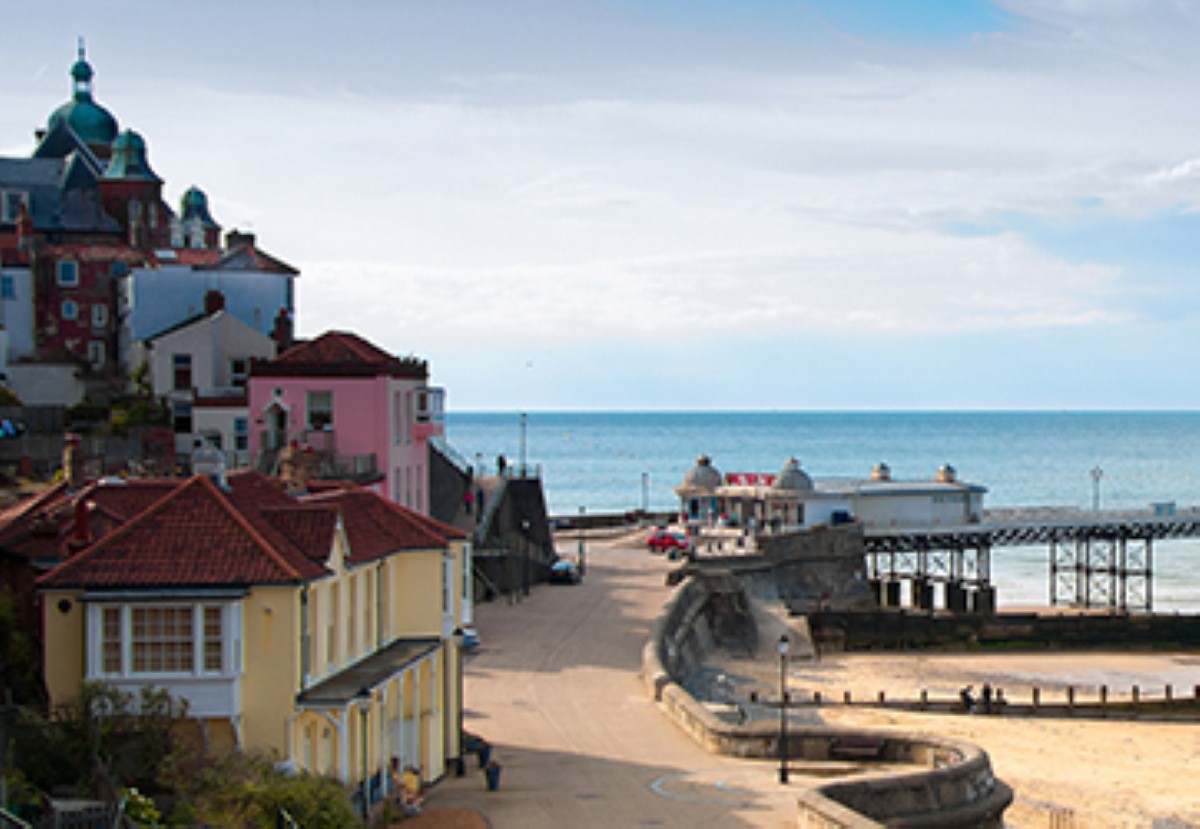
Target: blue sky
[816,204]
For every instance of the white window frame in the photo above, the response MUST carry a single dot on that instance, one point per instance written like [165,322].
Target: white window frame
[99,315]
[66,272]
[231,627]
[97,354]
[310,407]
[69,309]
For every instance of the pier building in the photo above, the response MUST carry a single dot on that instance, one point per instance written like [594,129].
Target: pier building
[793,500]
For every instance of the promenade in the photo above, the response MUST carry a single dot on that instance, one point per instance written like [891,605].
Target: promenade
[555,688]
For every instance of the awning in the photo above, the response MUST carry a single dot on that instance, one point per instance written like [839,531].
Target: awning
[340,689]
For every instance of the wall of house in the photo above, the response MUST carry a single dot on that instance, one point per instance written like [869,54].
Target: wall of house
[271,665]
[417,612]
[17,311]
[46,384]
[212,344]
[221,420]
[65,643]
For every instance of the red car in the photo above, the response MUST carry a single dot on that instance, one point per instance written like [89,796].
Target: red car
[661,541]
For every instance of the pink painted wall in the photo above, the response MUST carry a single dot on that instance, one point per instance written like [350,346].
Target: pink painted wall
[364,422]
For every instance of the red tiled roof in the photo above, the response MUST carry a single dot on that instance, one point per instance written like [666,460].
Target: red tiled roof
[308,528]
[339,353]
[194,537]
[376,527]
[127,498]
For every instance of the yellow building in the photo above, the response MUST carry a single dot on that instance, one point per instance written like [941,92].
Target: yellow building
[325,626]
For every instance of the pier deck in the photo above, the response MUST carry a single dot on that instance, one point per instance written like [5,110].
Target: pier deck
[1096,558]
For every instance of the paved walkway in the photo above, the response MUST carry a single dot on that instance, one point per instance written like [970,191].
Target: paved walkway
[555,688]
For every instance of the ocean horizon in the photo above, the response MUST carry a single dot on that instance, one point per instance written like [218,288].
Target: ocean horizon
[615,461]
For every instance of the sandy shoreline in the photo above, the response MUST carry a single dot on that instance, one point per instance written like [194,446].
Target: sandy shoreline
[1101,773]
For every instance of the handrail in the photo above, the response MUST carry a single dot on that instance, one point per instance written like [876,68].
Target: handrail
[10,821]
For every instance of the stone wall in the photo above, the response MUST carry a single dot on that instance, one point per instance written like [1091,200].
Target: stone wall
[951,785]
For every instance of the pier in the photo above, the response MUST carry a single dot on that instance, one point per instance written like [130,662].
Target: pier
[1095,559]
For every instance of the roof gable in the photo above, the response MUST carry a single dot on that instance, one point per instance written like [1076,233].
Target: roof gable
[340,353]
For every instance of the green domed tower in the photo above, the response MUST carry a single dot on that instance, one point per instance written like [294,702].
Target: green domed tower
[90,121]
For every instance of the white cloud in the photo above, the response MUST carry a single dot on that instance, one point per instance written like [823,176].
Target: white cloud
[669,184]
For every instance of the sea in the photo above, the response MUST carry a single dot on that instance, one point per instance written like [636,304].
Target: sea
[619,461]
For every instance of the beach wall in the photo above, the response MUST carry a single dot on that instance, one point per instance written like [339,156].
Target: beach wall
[952,783]
[807,570]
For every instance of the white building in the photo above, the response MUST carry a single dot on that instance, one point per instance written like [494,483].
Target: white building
[792,500]
[201,368]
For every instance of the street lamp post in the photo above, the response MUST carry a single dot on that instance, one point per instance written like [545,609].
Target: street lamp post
[645,494]
[1097,473]
[783,704]
[582,564]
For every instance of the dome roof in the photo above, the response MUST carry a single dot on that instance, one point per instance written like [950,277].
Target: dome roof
[129,159]
[90,121]
[792,477]
[703,475]
[194,205]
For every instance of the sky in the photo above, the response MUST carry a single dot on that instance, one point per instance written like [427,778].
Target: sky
[689,204]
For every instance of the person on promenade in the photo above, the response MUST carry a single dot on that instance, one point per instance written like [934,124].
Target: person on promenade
[985,694]
[967,699]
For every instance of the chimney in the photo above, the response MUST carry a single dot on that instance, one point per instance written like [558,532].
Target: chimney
[213,301]
[295,468]
[236,239]
[81,535]
[72,461]
[281,333]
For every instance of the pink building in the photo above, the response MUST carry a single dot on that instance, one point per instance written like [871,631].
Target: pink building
[363,413]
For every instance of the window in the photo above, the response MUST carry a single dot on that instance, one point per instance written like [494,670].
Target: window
[10,204]
[111,640]
[213,662]
[238,371]
[70,310]
[162,640]
[182,364]
[241,434]
[8,287]
[96,353]
[181,417]
[68,274]
[99,315]
[320,410]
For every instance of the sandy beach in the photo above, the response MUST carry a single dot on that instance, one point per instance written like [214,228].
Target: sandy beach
[1089,773]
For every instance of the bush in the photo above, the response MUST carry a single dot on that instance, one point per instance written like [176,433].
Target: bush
[246,790]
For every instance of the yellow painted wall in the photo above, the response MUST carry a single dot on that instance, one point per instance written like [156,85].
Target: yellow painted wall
[417,609]
[65,645]
[271,664]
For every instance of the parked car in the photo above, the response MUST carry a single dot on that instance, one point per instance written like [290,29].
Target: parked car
[470,639]
[663,541]
[564,572]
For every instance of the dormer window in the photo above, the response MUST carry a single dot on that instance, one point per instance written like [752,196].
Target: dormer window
[10,205]
[68,273]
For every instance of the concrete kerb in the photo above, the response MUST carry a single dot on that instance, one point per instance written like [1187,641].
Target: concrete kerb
[954,787]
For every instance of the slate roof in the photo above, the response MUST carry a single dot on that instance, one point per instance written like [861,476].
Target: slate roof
[340,354]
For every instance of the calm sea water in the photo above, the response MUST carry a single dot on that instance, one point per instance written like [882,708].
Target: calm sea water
[616,461]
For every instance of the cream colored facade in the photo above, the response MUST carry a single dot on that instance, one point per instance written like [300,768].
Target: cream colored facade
[298,669]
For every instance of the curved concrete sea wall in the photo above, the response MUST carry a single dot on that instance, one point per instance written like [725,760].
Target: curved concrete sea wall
[951,785]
